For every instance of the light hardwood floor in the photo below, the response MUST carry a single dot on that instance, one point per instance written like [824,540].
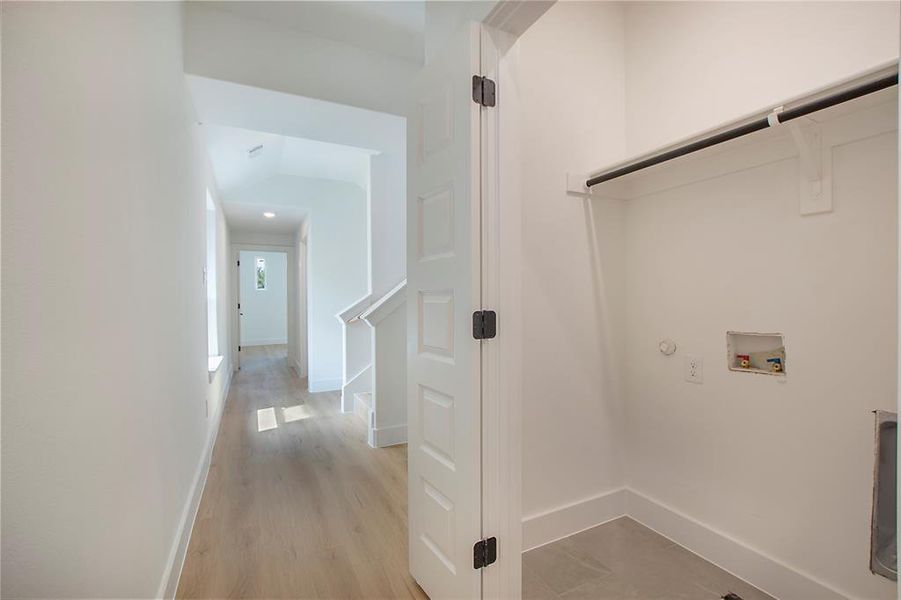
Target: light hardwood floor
[304,510]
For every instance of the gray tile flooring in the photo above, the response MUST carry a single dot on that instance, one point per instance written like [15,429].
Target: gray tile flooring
[623,559]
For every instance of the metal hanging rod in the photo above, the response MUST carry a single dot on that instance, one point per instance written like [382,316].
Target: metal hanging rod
[771,120]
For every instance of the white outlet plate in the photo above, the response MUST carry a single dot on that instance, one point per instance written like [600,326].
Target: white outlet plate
[694,369]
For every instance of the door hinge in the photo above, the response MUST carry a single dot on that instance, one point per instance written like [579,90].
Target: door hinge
[239,263]
[239,348]
[484,324]
[484,553]
[483,91]
[239,306]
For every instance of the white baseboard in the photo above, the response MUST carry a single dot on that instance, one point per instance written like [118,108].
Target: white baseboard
[172,573]
[564,521]
[325,385]
[270,342]
[389,436]
[764,572]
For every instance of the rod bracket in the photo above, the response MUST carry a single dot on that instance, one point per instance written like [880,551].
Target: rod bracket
[815,193]
[575,185]
[805,133]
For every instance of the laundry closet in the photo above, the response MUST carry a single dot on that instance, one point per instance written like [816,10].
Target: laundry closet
[710,342]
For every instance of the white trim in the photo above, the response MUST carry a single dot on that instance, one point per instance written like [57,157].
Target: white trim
[501,284]
[171,575]
[385,305]
[352,312]
[760,570]
[213,364]
[358,384]
[325,385]
[389,436]
[293,296]
[269,342]
[516,16]
[564,521]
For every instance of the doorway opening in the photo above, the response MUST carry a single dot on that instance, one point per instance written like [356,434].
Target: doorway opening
[263,303]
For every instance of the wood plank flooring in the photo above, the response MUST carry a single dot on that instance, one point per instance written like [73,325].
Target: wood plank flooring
[304,510]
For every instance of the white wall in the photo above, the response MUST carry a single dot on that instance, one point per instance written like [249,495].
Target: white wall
[336,256]
[570,400]
[784,469]
[258,238]
[390,377]
[263,110]
[781,466]
[221,45]
[105,383]
[691,66]
[264,313]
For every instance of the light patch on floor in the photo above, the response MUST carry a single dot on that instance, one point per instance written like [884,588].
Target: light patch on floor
[266,419]
[298,412]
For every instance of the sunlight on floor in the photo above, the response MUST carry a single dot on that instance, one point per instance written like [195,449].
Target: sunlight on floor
[266,419]
[297,412]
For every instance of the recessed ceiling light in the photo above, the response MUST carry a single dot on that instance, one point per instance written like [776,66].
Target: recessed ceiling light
[269,215]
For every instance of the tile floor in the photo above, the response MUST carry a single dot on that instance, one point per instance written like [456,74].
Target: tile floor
[623,559]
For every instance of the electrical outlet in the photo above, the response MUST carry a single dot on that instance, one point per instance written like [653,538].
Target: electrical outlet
[694,369]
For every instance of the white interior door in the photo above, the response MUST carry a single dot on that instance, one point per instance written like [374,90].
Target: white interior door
[443,290]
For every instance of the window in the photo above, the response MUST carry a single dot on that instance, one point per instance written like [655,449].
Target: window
[212,322]
[261,273]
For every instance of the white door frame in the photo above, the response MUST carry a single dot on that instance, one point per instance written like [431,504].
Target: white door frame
[293,297]
[502,291]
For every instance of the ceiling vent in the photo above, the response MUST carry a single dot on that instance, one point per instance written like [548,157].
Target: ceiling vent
[255,151]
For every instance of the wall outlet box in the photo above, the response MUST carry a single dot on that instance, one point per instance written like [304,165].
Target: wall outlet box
[694,369]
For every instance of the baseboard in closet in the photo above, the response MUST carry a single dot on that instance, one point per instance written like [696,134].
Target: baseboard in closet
[764,572]
[563,521]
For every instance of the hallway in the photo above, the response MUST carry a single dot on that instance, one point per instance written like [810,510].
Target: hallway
[302,510]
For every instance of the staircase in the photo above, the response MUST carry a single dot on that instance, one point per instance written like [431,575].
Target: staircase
[375,374]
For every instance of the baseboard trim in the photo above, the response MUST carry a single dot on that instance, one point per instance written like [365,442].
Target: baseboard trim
[563,521]
[764,572]
[325,385]
[171,575]
[389,436]
[774,577]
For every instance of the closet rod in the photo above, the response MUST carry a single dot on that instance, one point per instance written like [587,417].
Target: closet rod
[770,120]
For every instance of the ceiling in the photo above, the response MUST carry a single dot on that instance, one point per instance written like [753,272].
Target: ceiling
[234,167]
[390,27]
[249,217]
